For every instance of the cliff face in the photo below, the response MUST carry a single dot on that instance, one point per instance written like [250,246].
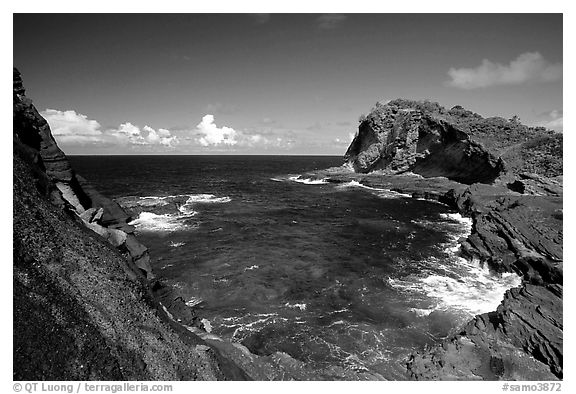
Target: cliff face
[83,306]
[33,138]
[426,139]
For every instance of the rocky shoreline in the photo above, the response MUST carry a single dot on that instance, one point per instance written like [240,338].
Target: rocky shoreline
[87,305]
[507,177]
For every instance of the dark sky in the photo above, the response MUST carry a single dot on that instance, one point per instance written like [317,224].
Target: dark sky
[275,83]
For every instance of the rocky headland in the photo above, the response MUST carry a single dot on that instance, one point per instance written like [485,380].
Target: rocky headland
[507,177]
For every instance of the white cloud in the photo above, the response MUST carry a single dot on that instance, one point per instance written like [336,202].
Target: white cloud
[553,120]
[70,123]
[527,67]
[72,128]
[330,21]
[214,135]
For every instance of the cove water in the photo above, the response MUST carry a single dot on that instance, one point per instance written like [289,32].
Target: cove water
[331,274]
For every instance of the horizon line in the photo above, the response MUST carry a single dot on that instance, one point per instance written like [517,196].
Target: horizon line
[194,154]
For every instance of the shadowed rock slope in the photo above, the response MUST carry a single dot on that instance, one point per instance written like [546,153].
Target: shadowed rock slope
[83,306]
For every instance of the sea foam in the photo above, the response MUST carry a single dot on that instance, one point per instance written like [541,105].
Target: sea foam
[380,192]
[151,222]
[455,283]
[308,181]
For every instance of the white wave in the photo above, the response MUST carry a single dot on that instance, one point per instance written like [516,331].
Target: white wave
[152,201]
[467,286]
[176,244]
[456,283]
[246,324]
[193,199]
[206,199]
[148,221]
[380,192]
[252,267]
[194,301]
[308,181]
[302,307]
[422,311]
[187,210]
[276,180]
[207,325]
[456,217]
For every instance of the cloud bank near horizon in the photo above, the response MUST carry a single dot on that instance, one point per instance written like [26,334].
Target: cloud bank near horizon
[77,132]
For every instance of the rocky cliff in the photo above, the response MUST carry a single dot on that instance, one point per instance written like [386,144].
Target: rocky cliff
[426,139]
[508,178]
[84,308]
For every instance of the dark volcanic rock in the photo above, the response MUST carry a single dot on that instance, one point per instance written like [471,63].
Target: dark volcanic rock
[424,138]
[405,138]
[523,339]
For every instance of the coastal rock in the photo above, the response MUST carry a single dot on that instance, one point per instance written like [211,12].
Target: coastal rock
[113,214]
[522,340]
[32,137]
[424,138]
[408,138]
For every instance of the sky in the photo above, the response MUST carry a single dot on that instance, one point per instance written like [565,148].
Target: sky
[275,83]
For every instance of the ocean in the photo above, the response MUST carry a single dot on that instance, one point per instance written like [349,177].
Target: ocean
[331,274]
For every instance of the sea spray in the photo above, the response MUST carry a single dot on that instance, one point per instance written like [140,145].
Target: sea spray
[456,283]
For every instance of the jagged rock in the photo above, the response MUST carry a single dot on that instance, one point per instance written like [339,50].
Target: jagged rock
[522,340]
[535,184]
[98,215]
[113,214]
[115,237]
[424,138]
[511,232]
[409,139]
[33,130]
[88,214]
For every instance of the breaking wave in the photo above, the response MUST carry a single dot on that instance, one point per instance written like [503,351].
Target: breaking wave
[380,192]
[308,181]
[151,222]
[453,282]
[166,213]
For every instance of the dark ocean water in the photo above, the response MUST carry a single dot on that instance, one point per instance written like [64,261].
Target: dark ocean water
[332,274]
